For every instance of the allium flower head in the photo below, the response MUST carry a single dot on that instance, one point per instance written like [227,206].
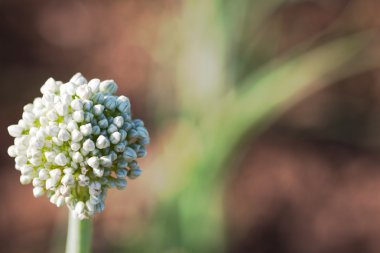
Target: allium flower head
[77,141]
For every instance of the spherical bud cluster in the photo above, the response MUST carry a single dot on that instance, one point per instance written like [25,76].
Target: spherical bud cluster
[77,141]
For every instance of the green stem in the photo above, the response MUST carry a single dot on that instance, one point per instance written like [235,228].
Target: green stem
[79,233]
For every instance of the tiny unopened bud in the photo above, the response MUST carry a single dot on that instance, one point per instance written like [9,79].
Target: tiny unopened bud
[102,142]
[15,130]
[61,159]
[93,162]
[108,86]
[38,191]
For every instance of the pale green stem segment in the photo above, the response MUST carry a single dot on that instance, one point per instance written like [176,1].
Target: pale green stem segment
[79,235]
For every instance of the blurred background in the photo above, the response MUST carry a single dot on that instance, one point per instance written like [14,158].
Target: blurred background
[264,117]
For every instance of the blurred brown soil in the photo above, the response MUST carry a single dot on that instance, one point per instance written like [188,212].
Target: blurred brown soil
[300,195]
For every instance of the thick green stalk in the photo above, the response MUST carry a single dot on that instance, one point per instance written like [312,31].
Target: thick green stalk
[79,233]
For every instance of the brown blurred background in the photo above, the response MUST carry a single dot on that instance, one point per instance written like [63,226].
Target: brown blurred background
[308,184]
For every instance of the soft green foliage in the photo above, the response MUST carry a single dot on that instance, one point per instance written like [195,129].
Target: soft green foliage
[217,108]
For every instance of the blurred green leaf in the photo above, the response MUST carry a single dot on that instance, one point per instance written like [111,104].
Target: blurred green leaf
[189,217]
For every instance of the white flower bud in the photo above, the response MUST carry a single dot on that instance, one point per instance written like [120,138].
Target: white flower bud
[75,146]
[21,123]
[84,92]
[37,102]
[60,201]
[37,182]
[52,130]
[12,151]
[50,183]
[63,135]
[102,142]
[38,191]
[93,162]
[108,86]
[35,161]
[49,86]
[84,152]
[36,143]
[61,109]
[105,161]
[50,156]
[26,179]
[86,129]
[57,141]
[77,157]
[66,99]
[67,179]
[15,130]
[53,199]
[44,121]
[88,145]
[76,124]
[52,115]
[68,170]
[21,160]
[55,174]
[28,107]
[78,116]
[28,117]
[43,174]
[98,172]
[94,85]
[76,135]
[78,79]
[118,121]
[61,159]
[98,109]
[48,100]
[115,137]
[33,132]
[26,169]
[77,105]
[72,125]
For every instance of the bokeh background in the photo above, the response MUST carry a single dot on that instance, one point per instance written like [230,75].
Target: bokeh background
[264,116]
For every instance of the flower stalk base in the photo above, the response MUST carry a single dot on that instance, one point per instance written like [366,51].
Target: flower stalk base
[79,234]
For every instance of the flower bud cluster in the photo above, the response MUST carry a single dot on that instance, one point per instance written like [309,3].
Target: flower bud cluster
[77,141]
